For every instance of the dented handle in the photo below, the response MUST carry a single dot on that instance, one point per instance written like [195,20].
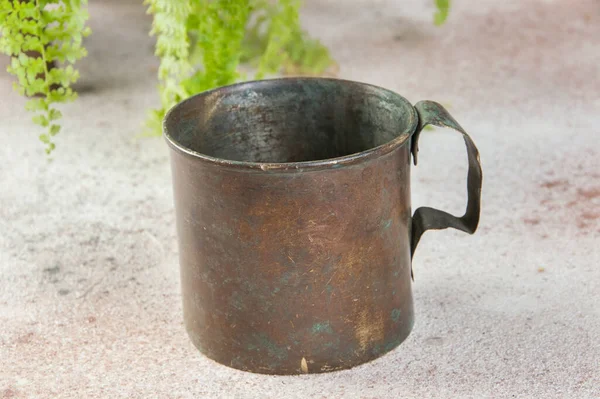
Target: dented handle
[425,218]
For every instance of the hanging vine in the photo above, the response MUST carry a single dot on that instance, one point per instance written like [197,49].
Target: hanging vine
[43,38]
[201,45]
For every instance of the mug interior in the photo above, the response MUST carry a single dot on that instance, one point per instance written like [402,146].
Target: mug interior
[289,120]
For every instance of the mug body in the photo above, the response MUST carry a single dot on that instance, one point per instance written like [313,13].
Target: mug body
[292,199]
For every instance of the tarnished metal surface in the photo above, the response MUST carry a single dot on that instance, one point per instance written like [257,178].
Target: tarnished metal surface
[425,218]
[294,222]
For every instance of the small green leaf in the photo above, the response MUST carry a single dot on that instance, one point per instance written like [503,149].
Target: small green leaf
[54,114]
[50,148]
[36,104]
[40,120]
[443,8]
[54,129]
[44,138]
[19,89]
[23,59]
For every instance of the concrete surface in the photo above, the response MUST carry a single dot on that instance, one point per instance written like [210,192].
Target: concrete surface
[89,292]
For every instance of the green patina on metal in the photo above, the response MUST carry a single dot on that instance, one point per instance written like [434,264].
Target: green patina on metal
[273,350]
[332,343]
[329,290]
[285,277]
[319,328]
[392,344]
[237,301]
[380,349]
[396,313]
[252,347]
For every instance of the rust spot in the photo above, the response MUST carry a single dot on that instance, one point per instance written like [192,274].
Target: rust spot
[246,233]
[541,269]
[555,184]
[531,221]
[588,194]
[25,339]
[9,393]
[590,215]
[91,319]
[569,200]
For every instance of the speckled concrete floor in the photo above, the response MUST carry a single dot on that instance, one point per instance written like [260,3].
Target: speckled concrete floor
[89,292]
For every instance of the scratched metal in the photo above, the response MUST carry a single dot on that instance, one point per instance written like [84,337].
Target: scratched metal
[292,199]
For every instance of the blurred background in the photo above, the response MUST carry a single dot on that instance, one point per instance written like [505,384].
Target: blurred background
[89,290]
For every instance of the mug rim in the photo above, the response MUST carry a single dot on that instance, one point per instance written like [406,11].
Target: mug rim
[334,162]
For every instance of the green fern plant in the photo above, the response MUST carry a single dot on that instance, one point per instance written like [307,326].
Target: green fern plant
[286,46]
[172,47]
[53,30]
[201,45]
[219,35]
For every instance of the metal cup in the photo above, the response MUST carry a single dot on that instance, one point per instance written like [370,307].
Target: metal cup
[294,221]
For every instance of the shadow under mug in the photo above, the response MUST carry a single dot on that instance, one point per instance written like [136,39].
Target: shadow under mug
[294,223]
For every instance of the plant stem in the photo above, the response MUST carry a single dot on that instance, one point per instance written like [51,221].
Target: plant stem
[43,55]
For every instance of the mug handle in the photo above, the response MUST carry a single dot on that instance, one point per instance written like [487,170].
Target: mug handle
[425,218]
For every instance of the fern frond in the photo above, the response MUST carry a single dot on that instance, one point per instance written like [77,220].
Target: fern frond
[172,47]
[219,31]
[202,42]
[56,34]
[275,40]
